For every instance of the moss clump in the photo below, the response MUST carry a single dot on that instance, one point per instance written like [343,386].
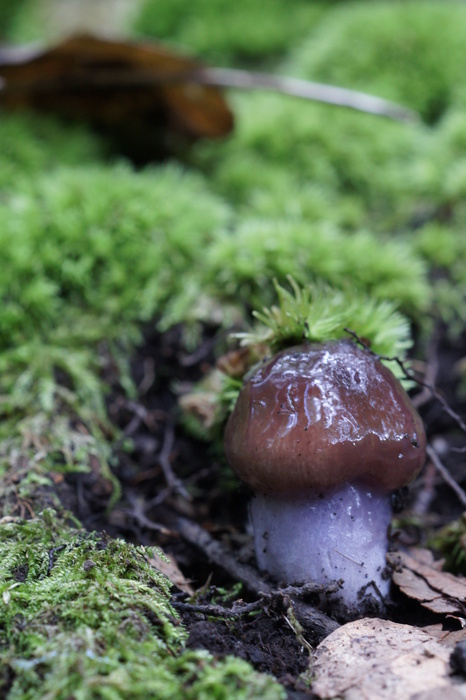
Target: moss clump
[395,50]
[103,243]
[318,314]
[263,249]
[86,616]
[29,144]
[88,254]
[292,158]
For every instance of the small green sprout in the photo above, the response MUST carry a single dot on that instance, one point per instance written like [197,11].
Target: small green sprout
[317,312]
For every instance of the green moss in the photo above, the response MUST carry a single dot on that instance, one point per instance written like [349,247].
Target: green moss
[450,542]
[88,253]
[394,50]
[225,32]
[441,245]
[359,170]
[9,12]
[86,616]
[104,242]
[321,313]
[261,250]
[29,144]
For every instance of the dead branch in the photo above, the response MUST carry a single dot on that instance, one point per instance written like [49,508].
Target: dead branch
[137,512]
[431,371]
[446,476]
[237,610]
[163,458]
[307,90]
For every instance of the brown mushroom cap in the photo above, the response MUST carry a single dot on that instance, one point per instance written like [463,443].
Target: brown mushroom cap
[317,416]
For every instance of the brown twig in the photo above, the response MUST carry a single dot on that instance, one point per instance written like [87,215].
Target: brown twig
[148,376]
[202,351]
[237,610]
[163,458]
[140,415]
[432,367]
[138,514]
[446,476]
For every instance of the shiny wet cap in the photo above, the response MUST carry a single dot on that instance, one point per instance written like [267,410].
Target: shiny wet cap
[317,416]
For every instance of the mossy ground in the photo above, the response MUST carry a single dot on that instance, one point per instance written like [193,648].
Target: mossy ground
[366,216]
[88,616]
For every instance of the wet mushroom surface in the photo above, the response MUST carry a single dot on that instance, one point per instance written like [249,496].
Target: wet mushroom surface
[323,434]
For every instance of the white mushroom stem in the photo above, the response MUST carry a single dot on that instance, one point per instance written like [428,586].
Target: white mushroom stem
[326,536]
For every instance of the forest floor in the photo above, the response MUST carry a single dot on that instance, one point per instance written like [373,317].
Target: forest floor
[177,494]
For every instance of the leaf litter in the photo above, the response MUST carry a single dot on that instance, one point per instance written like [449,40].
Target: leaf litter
[419,576]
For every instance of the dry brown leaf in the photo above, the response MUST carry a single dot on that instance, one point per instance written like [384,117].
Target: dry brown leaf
[449,638]
[417,574]
[373,659]
[113,83]
[168,566]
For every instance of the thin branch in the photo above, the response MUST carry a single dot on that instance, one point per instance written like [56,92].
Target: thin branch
[106,79]
[202,351]
[137,513]
[148,377]
[329,94]
[218,610]
[432,368]
[163,494]
[140,415]
[163,458]
[446,476]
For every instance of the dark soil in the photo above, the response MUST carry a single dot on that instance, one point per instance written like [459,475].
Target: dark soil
[198,486]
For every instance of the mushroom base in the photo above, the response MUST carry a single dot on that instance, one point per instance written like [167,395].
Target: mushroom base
[319,537]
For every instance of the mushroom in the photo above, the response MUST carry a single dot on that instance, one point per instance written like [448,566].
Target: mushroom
[323,433]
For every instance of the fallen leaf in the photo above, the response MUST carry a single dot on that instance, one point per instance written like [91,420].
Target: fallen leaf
[114,84]
[449,638]
[372,659]
[236,363]
[168,566]
[418,576]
